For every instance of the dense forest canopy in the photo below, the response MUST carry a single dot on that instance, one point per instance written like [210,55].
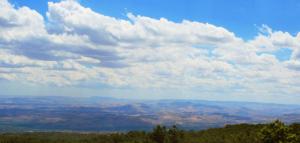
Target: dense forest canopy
[275,132]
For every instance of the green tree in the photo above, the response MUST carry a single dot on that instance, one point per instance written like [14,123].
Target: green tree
[277,132]
[159,134]
[295,128]
[175,135]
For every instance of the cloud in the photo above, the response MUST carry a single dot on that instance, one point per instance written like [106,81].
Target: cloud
[19,23]
[75,44]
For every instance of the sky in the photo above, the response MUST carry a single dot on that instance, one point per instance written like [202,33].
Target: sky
[211,49]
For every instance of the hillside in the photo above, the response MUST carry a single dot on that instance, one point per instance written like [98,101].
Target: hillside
[99,114]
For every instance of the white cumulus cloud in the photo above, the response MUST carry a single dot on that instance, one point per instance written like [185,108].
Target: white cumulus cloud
[76,44]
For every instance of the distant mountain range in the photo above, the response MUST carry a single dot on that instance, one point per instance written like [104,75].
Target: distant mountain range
[103,114]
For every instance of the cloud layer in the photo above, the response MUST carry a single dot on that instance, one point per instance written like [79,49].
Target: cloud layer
[74,44]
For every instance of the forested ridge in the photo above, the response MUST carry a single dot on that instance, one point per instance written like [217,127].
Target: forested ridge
[275,132]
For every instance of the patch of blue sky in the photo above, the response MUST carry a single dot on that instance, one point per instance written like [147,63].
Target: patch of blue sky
[283,54]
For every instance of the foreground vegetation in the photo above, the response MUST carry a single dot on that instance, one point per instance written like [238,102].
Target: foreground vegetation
[275,132]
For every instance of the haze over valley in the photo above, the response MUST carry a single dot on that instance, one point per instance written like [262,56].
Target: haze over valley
[103,114]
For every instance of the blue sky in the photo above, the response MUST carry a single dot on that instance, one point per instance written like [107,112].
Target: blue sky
[212,49]
[241,17]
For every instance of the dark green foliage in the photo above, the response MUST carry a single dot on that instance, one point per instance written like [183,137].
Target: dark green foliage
[242,133]
[161,134]
[175,135]
[275,132]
